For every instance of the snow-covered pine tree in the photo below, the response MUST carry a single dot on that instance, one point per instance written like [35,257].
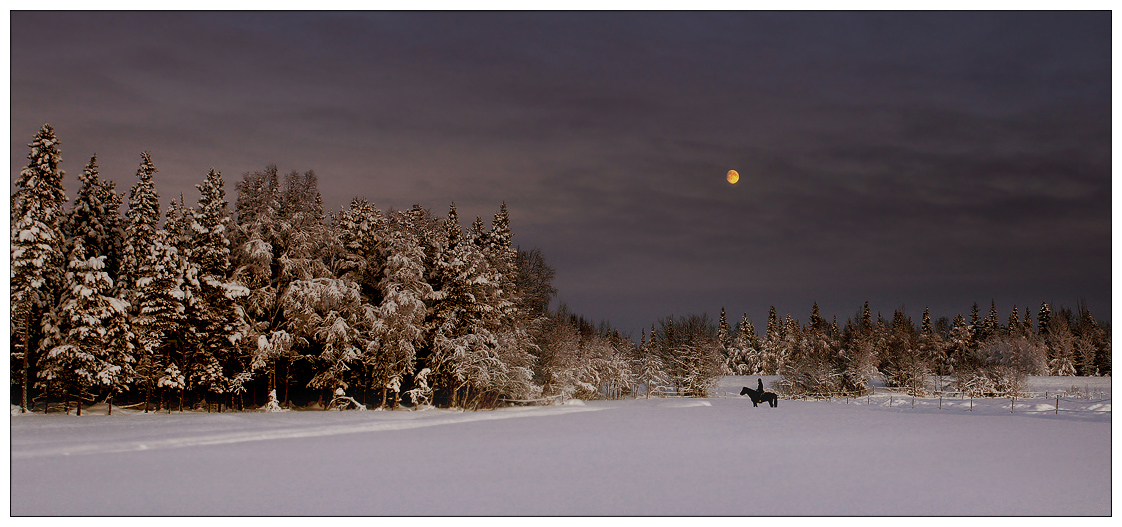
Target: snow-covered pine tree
[38,256]
[95,347]
[96,218]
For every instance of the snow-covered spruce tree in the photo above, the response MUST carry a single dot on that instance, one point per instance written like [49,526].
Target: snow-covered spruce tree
[510,325]
[467,360]
[789,343]
[931,350]
[1091,343]
[1014,323]
[218,321]
[142,222]
[1060,343]
[855,357]
[157,323]
[95,349]
[746,359]
[724,341]
[177,335]
[810,366]
[770,348]
[692,358]
[648,367]
[990,326]
[997,365]
[502,257]
[958,344]
[38,256]
[399,325]
[95,217]
[1099,337]
[1044,319]
[901,364]
[360,228]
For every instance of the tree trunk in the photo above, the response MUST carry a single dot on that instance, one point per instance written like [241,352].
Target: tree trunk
[272,384]
[79,400]
[287,378]
[26,360]
[147,392]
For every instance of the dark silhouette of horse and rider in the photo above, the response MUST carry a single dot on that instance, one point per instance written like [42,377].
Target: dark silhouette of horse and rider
[759,395]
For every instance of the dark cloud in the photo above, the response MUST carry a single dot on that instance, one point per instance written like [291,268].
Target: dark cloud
[907,159]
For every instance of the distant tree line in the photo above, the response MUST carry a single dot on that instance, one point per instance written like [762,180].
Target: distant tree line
[226,305]
[981,355]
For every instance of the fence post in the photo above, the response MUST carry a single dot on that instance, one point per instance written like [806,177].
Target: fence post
[1012,400]
[1057,405]
[971,403]
[940,401]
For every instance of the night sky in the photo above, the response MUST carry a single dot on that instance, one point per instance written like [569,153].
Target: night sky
[905,159]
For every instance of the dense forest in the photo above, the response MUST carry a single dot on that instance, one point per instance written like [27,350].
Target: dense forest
[271,302]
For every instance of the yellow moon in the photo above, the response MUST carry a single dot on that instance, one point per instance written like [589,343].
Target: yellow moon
[733,177]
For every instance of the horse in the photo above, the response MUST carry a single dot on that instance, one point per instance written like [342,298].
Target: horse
[759,397]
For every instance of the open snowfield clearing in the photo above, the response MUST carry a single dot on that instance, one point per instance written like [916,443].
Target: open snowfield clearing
[716,456]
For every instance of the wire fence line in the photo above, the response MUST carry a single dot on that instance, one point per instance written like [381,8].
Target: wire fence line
[903,395]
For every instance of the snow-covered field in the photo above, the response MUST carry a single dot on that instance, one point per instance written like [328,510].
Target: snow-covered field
[717,456]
